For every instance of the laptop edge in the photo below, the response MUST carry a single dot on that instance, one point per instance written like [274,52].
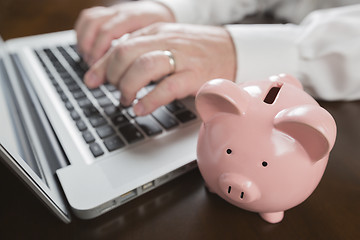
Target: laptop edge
[20,142]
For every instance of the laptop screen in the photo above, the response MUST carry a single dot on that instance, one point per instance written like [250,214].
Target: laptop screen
[12,129]
[17,145]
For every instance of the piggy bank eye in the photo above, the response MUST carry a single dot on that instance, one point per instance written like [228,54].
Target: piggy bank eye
[264,163]
[228,151]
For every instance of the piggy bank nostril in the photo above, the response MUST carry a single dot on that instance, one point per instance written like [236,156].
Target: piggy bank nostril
[242,195]
[238,188]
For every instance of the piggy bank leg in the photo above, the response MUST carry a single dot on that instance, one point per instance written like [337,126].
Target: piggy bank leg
[274,217]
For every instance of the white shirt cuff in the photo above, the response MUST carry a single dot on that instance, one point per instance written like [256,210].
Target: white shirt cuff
[265,50]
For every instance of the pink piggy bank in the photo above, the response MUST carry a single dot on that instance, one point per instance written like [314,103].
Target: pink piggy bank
[263,146]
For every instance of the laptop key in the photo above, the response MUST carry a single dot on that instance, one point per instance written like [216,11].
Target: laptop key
[104,101]
[63,73]
[185,116]
[111,110]
[74,115]
[119,119]
[69,106]
[73,87]
[81,125]
[52,78]
[113,143]
[97,92]
[105,131]
[64,97]
[68,80]
[96,149]
[58,89]
[81,73]
[97,120]
[78,94]
[164,119]
[90,110]
[83,65]
[88,137]
[148,125]
[131,133]
[175,106]
[84,102]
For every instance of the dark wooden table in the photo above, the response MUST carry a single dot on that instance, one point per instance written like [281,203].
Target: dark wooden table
[182,209]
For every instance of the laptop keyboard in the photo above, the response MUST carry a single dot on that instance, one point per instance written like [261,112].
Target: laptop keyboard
[104,124]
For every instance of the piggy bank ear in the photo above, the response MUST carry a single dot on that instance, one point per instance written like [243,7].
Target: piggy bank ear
[312,126]
[220,96]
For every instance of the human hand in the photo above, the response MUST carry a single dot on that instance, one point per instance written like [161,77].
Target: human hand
[96,27]
[201,53]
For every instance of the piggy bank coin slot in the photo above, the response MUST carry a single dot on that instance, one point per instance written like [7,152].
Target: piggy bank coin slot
[272,94]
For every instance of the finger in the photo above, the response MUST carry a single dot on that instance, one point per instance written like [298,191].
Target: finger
[125,53]
[81,26]
[113,29]
[88,26]
[96,75]
[118,25]
[150,30]
[148,67]
[171,88]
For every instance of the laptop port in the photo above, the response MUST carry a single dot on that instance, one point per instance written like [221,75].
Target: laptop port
[127,196]
[148,186]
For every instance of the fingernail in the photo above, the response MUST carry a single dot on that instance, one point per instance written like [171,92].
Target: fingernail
[91,79]
[139,109]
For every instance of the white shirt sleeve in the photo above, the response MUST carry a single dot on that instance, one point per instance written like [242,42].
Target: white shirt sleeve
[214,12]
[323,52]
[219,12]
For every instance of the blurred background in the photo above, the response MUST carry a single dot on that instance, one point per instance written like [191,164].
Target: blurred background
[20,18]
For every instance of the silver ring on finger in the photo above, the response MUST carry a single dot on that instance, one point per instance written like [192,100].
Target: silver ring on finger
[172,62]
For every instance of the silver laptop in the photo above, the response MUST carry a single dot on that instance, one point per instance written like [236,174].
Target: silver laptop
[77,148]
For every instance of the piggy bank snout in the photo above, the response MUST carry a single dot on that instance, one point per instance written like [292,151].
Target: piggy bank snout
[238,188]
